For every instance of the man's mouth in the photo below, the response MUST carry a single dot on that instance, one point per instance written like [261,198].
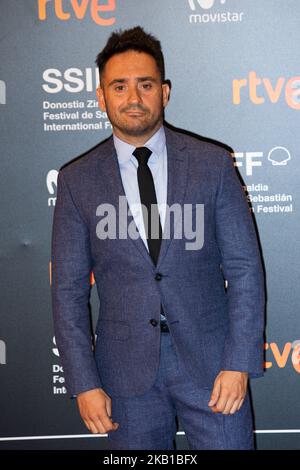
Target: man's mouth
[135,113]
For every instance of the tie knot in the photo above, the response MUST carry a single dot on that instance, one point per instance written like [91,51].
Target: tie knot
[142,155]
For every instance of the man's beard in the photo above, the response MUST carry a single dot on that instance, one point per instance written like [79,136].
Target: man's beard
[140,128]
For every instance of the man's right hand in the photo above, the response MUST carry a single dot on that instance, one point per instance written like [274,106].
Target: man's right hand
[95,410]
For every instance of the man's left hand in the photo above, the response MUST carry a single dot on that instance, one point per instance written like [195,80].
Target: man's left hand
[229,391]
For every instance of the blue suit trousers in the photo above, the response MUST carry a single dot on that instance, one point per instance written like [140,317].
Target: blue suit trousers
[148,421]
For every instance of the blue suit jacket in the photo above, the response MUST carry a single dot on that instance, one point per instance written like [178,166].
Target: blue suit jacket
[213,329]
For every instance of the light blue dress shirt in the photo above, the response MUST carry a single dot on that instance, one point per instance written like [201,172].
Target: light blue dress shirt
[128,168]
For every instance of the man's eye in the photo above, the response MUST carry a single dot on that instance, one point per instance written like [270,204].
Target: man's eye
[147,86]
[119,88]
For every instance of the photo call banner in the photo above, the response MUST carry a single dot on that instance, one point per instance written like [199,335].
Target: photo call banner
[234,70]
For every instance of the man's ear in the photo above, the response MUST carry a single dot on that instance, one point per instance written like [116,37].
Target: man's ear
[100,97]
[165,93]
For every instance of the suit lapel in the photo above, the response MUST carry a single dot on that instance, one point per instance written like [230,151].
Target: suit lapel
[109,171]
[177,180]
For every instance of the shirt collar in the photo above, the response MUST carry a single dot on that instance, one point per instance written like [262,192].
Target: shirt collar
[156,144]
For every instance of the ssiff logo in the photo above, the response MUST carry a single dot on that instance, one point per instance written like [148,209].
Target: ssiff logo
[64,10]
[71,80]
[277,156]
[2,92]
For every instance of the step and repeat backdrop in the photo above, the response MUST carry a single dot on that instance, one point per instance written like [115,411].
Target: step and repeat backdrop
[235,76]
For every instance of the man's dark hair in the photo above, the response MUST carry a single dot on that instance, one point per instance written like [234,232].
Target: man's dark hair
[132,39]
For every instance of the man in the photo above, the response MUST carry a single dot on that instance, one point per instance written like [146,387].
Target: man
[171,339]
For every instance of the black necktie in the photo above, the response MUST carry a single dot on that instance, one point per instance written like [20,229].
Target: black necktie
[148,199]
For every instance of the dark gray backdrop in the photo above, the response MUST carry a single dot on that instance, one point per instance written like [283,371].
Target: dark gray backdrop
[47,66]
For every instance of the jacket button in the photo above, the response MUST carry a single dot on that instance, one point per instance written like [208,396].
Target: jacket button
[153,322]
[158,276]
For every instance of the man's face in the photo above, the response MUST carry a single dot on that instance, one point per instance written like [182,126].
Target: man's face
[132,94]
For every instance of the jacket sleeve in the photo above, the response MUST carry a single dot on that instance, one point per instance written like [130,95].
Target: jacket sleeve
[71,267]
[242,268]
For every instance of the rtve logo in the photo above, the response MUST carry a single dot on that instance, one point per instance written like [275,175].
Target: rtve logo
[2,92]
[290,350]
[259,90]
[205,4]
[64,9]
[92,279]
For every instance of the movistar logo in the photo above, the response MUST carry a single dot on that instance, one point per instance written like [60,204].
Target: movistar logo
[205,4]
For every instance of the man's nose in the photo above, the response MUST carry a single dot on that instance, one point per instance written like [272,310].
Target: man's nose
[134,95]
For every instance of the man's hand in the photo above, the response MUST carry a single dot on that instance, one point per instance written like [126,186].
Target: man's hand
[229,391]
[95,410]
